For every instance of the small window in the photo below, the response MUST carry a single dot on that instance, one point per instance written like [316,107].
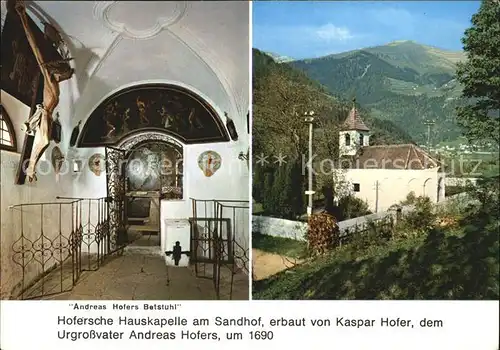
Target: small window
[347,139]
[7,135]
[356,187]
[361,140]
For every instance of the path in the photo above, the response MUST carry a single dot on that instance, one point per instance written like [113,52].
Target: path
[267,264]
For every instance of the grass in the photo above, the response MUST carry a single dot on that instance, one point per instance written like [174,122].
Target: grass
[278,245]
[257,208]
[453,264]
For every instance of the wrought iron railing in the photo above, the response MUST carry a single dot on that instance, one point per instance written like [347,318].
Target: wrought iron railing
[57,241]
[96,238]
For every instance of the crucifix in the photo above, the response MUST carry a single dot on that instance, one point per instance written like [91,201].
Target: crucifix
[40,123]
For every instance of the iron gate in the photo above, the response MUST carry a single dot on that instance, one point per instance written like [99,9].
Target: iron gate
[210,247]
[214,244]
[115,176]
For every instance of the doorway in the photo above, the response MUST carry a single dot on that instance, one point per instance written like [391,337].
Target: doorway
[153,172]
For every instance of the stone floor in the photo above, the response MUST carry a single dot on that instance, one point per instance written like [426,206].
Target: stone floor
[140,273]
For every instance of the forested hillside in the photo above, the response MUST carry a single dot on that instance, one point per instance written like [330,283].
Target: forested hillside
[281,96]
[404,82]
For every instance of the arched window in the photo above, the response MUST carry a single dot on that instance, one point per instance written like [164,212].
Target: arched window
[347,139]
[7,135]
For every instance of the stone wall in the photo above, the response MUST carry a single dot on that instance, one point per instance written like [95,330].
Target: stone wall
[297,230]
[461,181]
[277,227]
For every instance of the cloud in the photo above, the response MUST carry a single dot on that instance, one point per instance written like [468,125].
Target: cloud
[304,40]
[330,32]
[326,33]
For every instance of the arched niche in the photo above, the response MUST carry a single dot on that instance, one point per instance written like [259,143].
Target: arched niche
[169,171]
[427,190]
[164,108]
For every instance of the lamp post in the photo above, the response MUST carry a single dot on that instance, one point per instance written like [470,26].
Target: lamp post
[309,119]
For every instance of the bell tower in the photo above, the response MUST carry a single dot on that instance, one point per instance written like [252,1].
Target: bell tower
[353,134]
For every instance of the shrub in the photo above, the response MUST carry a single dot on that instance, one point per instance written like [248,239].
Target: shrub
[411,198]
[421,219]
[352,207]
[453,190]
[375,235]
[323,233]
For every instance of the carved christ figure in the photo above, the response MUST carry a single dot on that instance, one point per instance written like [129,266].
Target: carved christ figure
[41,121]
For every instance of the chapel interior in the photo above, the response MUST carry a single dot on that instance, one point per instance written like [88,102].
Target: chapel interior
[124,146]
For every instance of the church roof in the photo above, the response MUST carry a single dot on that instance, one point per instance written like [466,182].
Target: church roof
[354,121]
[403,157]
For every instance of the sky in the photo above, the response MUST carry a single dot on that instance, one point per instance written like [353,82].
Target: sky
[307,29]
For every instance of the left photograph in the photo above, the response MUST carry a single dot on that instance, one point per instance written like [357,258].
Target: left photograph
[124,147]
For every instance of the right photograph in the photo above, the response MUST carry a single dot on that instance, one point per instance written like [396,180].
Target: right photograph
[375,153]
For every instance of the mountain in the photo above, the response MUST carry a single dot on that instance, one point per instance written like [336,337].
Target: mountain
[403,82]
[294,85]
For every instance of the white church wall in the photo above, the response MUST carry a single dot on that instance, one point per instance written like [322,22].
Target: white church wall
[45,189]
[393,185]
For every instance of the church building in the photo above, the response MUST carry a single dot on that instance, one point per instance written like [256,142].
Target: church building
[384,175]
[124,150]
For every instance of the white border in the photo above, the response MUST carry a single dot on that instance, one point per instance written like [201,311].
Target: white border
[250,147]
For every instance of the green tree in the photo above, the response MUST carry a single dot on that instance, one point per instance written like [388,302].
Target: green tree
[267,195]
[480,75]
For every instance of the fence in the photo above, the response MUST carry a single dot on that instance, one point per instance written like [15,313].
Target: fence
[96,239]
[220,240]
[57,241]
[283,228]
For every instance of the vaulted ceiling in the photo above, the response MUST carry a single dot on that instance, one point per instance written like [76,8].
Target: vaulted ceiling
[115,44]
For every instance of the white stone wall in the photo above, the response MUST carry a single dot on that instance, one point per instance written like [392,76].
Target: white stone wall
[277,227]
[460,181]
[297,230]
